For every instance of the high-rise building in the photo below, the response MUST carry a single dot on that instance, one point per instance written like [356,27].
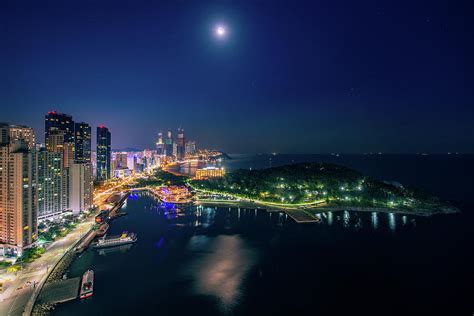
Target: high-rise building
[190,148]
[52,201]
[18,198]
[4,131]
[80,187]
[180,144]
[59,121]
[16,133]
[103,153]
[82,141]
[121,159]
[22,133]
[169,144]
[132,162]
[55,143]
[160,144]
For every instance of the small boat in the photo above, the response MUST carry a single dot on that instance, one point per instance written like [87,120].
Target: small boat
[87,284]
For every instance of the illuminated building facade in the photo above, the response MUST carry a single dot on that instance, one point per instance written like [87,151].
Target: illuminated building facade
[169,144]
[209,172]
[82,141]
[180,144]
[190,148]
[59,121]
[160,144]
[22,133]
[80,187]
[18,198]
[52,200]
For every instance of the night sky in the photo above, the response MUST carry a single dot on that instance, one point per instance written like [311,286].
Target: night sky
[288,77]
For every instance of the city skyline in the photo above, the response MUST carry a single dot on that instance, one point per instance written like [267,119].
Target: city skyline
[236,157]
[297,80]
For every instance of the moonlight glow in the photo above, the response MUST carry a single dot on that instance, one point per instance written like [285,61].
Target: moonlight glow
[220,31]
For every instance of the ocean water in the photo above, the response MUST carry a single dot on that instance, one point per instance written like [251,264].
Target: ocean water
[221,261]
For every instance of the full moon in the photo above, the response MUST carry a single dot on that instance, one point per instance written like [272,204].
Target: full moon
[220,31]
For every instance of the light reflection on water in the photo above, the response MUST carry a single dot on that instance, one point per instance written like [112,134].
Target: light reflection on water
[220,267]
[392,222]
[375,220]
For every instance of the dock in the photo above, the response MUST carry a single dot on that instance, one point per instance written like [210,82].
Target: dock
[301,216]
[59,291]
[85,241]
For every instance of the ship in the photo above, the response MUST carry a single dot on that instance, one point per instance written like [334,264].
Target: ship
[125,238]
[87,284]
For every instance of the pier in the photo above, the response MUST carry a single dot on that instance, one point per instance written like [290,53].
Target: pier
[59,291]
[301,216]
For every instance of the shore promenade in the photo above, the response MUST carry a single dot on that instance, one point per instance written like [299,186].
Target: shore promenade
[20,296]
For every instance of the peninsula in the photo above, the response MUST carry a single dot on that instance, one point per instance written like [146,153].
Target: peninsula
[319,187]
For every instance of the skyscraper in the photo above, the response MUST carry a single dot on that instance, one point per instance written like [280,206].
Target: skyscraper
[160,144]
[82,141]
[59,121]
[103,153]
[18,198]
[190,148]
[51,198]
[169,144]
[80,187]
[180,144]
[22,133]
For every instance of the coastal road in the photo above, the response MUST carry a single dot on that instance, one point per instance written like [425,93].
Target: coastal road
[20,294]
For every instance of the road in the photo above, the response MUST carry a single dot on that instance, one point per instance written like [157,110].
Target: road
[26,282]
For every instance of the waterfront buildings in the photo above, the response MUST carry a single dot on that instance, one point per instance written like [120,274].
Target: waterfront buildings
[209,172]
[80,187]
[18,196]
[103,153]
[52,198]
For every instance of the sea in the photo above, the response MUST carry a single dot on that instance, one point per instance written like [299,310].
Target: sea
[236,261]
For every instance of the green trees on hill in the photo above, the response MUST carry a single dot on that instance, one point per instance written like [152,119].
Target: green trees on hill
[306,182]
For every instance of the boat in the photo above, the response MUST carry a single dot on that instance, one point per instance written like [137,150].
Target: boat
[125,238]
[87,284]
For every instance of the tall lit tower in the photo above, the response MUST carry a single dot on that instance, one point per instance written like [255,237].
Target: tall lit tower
[169,144]
[18,195]
[82,138]
[180,142]
[103,153]
[160,144]
[59,121]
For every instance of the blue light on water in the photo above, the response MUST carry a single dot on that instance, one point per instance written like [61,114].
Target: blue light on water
[160,243]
